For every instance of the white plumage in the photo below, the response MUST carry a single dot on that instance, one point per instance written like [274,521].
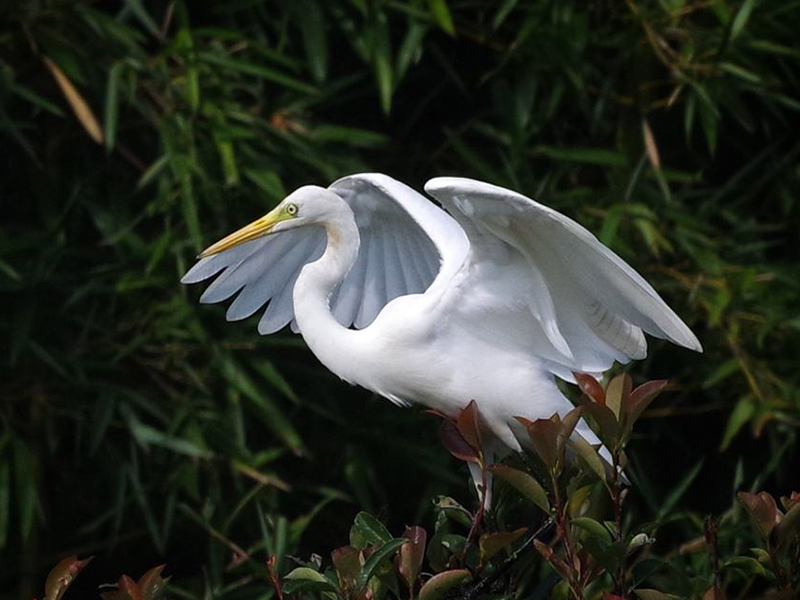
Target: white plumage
[489,300]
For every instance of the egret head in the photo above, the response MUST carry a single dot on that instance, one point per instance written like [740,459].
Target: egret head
[309,205]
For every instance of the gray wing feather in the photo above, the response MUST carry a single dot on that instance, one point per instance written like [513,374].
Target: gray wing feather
[407,245]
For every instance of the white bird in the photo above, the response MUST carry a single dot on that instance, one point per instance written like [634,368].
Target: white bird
[491,300]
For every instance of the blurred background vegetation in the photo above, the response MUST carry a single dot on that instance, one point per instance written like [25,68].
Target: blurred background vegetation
[139,426]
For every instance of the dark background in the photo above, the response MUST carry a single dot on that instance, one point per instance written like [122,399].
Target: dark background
[138,426]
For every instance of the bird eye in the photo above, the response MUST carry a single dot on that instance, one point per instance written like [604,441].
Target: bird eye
[291,209]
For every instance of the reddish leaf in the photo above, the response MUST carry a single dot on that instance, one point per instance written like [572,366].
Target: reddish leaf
[640,399]
[791,501]
[348,562]
[568,424]
[617,393]
[591,387]
[468,424]
[789,527]
[152,584]
[610,596]
[544,438]
[543,549]
[456,444]
[762,510]
[127,589]
[606,421]
[410,556]
[62,575]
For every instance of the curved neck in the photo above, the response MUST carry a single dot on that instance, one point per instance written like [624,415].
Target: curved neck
[326,337]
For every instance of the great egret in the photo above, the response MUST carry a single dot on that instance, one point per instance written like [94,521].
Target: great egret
[489,302]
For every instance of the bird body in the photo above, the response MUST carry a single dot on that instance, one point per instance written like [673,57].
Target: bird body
[489,301]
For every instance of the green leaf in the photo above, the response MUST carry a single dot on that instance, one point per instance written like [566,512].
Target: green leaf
[34,98]
[5,500]
[592,156]
[193,87]
[441,13]
[305,579]
[593,528]
[351,136]
[267,180]
[411,49]
[646,594]
[228,159]
[312,24]
[437,586]
[502,13]
[27,499]
[262,405]
[679,490]
[111,115]
[524,483]
[382,60]
[589,456]
[367,530]
[745,564]
[741,414]
[741,18]
[492,543]
[257,70]
[376,558]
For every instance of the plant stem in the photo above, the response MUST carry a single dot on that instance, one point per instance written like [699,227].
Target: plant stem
[484,583]
[563,528]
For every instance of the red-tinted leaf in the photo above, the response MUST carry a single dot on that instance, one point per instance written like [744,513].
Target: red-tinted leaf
[456,444]
[348,562]
[152,584]
[62,575]
[543,549]
[789,502]
[492,543]
[789,527]
[568,424]
[609,428]
[591,387]
[640,399]
[543,434]
[762,510]
[610,596]
[409,558]
[617,393]
[468,424]
[129,588]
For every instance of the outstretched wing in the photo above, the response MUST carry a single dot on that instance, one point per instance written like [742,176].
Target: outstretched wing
[578,305]
[406,243]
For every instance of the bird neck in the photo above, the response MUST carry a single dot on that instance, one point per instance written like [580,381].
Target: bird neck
[325,336]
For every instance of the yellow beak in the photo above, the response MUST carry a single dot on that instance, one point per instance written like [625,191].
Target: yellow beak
[249,232]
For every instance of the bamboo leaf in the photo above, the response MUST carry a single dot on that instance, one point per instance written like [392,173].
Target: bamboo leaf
[76,102]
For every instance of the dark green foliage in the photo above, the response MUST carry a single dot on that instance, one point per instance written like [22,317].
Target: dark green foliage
[139,426]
